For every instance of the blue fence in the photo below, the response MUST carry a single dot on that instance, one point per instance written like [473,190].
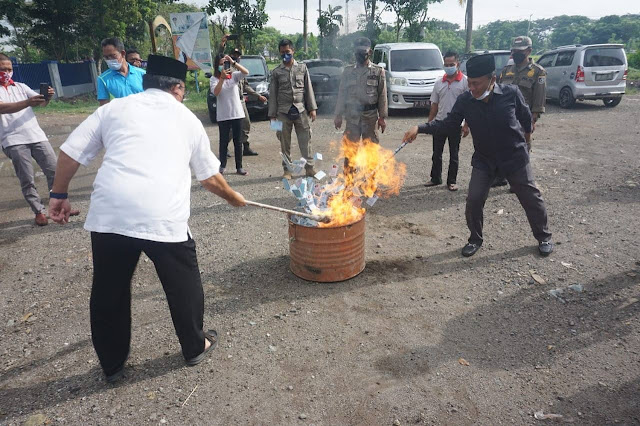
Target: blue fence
[72,74]
[32,74]
[68,80]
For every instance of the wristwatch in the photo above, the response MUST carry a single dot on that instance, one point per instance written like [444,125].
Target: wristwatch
[59,195]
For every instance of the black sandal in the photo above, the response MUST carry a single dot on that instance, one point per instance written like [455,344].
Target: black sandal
[211,336]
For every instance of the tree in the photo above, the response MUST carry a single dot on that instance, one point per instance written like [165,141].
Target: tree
[246,18]
[15,23]
[329,25]
[468,23]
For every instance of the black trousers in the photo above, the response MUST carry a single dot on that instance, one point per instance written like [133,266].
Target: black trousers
[439,141]
[523,185]
[114,260]
[226,128]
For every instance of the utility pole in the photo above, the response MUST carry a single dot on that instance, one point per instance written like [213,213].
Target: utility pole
[321,37]
[346,15]
[529,25]
[304,29]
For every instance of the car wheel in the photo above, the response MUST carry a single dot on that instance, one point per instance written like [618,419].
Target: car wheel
[566,98]
[611,102]
[212,116]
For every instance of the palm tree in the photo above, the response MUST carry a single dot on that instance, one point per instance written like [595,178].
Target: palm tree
[468,22]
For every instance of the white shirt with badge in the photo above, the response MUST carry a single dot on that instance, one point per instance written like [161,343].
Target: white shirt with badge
[143,187]
[19,128]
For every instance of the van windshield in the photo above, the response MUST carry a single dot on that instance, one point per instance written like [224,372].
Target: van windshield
[604,57]
[254,65]
[416,60]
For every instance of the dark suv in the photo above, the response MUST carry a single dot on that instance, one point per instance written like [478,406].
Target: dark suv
[501,57]
[325,78]
[258,79]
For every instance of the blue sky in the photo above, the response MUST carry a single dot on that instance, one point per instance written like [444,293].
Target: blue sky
[485,11]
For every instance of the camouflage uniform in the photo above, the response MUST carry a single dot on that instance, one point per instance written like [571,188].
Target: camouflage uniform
[362,98]
[292,87]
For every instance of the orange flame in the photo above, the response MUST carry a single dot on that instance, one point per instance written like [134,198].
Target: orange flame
[372,170]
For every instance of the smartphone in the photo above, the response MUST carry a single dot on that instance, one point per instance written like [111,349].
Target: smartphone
[44,90]
[232,37]
[227,66]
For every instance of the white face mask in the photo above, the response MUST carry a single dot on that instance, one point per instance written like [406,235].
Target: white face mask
[485,94]
[113,64]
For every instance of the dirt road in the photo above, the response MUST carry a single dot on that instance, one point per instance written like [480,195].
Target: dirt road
[390,346]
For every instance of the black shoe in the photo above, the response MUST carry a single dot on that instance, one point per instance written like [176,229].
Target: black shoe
[470,249]
[117,375]
[499,182]
[249,152]
[545,248]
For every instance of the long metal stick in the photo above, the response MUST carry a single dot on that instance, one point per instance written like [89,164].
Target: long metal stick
[317,218]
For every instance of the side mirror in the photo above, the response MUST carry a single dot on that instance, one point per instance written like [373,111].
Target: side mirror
[382,65]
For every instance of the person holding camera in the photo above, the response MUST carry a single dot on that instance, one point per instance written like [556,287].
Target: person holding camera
[229,113]
[22,138]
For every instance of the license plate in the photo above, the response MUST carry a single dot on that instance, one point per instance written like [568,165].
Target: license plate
[604,77]
[421,104]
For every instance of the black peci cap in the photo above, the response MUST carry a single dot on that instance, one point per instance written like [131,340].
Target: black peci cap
[236,51]
[168,67]
[481,65]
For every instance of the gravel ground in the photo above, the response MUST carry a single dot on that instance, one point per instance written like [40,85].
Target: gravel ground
[422,336]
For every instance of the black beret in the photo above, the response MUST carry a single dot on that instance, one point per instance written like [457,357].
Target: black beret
[481,65]
[168,67]
[362,42]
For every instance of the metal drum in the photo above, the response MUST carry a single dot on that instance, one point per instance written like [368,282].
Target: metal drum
[327,254]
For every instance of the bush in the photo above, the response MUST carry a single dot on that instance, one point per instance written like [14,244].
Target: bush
[634,59]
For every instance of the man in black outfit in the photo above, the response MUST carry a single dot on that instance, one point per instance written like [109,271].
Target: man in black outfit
[497,115]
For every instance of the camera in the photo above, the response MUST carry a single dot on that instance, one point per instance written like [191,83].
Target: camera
[44,90]
[227,65]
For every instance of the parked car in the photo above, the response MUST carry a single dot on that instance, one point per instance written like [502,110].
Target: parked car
[325,78]
[580,72]
[501,57]
[412,70]
[258,79]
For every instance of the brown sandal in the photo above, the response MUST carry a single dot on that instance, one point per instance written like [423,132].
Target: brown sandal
[431,183]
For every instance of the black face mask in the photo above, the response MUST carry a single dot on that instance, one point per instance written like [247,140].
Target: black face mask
[361,56]
[518,57]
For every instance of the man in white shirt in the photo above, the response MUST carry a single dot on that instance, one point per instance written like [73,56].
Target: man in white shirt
[141,203]
[444,95]
[22,138]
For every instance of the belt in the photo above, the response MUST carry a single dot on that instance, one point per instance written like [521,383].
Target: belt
[360,107]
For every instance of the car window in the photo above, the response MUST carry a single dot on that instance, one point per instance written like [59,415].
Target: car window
[565,59]
[416,60]
[501,59]
[603,57]
[325,67]
[254,65]
[377,56]
[547,60]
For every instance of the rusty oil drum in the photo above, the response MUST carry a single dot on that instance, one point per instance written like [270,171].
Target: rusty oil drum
[327,254]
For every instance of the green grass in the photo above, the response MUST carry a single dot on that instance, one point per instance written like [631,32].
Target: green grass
[634,74]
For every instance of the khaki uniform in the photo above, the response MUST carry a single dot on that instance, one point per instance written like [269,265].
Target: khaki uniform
[362,98]
[531,78]
[292,87]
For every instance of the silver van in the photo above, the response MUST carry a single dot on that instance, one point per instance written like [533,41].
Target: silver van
[581,72]
[411,72]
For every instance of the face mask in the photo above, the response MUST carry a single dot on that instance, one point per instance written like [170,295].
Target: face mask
[286,57]
[5,77]
[361,56]
[451,70]
[485,94]
[113,64]
[220,68]
[518,57]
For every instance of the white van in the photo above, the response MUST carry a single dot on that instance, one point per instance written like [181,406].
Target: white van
[412,70]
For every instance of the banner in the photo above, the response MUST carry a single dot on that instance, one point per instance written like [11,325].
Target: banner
[191,39]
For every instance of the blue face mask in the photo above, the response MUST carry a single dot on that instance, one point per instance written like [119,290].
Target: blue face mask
[286,57]
[220,68]
[451,70]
